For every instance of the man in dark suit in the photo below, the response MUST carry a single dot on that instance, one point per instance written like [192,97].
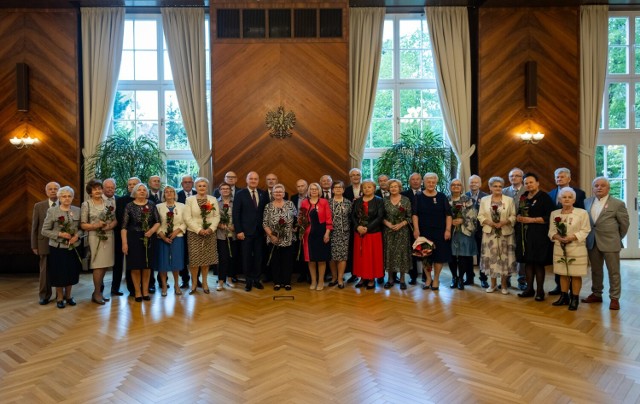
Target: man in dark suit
[415,187]
[354,191]
[475,193]
[609,224]
[383,186]
[271,180]
[248,208]
[325,183]
[563,178]
[300,266]
[40,243]
[155,193]
[118,263]
[230,178]
[187,189]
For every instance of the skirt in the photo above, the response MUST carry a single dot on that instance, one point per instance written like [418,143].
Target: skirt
[203,250]
[170,256]
[140,257]
[64,266]
[367,256]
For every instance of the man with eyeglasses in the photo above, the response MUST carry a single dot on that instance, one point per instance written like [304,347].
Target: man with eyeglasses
[187,189]
[515,190]
[230,178]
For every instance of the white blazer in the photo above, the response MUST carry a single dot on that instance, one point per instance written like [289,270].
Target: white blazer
[192,216]
[178,218]
[507,212]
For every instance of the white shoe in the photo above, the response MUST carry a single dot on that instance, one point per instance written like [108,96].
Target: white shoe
[313,286]
[492,289]
[230,285]
[505,292]
[219,287]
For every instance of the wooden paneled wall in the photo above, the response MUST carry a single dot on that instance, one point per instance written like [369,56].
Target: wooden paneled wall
[507,39]
[308,78]
[47,41]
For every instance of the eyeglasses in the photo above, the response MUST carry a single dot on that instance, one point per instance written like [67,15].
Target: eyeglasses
[515,175]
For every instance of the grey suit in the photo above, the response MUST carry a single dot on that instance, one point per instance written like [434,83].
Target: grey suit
[41,244]
[604,244]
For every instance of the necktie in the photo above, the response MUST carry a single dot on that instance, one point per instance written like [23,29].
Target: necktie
[255,200]
[326,195]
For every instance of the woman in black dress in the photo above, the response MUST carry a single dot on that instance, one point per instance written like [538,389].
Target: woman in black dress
[533,247]
[139,226]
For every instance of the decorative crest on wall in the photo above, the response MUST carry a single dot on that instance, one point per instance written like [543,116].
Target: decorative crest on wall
[280,123]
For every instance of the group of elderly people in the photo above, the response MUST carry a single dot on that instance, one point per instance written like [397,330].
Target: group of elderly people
[325,224]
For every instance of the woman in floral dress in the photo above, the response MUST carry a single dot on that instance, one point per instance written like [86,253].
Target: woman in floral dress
[340,210]
[463,242]
[397,250]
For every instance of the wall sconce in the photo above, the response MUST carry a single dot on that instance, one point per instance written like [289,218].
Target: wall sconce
[25,141]
[531,138]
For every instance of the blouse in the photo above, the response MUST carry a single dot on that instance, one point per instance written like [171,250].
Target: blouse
[280,221]
[464,208]
[178,218]
[134,216]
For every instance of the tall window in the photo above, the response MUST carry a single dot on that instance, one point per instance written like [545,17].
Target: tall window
[146,103]
[407,96]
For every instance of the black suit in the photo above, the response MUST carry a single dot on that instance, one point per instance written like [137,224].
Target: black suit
[350,195]
[182,195]
[155,199]
[247,219]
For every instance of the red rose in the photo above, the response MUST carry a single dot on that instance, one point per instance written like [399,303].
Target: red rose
[145,209]
[558,219]
[523,198]
[401,209]
[281,222]
[419,247]
[225,206]
[169,214]
[458,206]
[494,207]
[61,219]
[110,208]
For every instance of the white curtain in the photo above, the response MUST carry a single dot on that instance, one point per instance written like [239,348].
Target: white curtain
[449,33]
[102,35]
[184,33]
[365,46]
[594,34]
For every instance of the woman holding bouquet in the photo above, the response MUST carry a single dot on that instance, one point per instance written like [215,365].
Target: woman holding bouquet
[568,229]
[226,235]
[98,219]
[397,251]
[139,225]
[202,217]
[463,243]
[277,221]
[497,215]
[533,247]
[432,219]
[340,214]
[170,239]
[62,227]
[367,216]
[317,250]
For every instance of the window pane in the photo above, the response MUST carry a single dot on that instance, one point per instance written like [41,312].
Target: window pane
[178,168]
[414,44]
[146,65]
[127,43]
[637,106]
[428,65]
[618,94]
[126,66]
[386,63]
[168,74]
[618,45]
[617,60]
[146,34]
[147,105]
[175,133]
[148,129]
[381,134]
[123,106]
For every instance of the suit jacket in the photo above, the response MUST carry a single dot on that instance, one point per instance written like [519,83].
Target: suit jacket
[580,197]
[154,199]
[179,213]
[507,212]
[182,195]
[409,194]
[121,204]
[247,218]
[348,193]
[37,239]
[511,191]
[192,215]
[379,193]
[52,227]
[608,231]
[375,215]
[297,200]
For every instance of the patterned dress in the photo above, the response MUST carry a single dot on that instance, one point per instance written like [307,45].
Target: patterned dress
[101,250]
[140,256]
[203,250]
[498,254]
[397,248]
[341,229]
[463,242]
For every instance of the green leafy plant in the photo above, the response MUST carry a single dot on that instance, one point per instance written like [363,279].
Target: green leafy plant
[123,155]
[419,151]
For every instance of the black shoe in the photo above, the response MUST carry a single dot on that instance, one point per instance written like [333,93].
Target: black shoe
[555,292]
[484,284]
[332,283]
[359,284]
[352,279]
[341,286]
[381,280]
[403,286]
[573,302]
[248,286]
[184,285]
[372,286]
[42,302]
[454,282]
[116,293]
[413,281]
[287,287]
[71,301]
[152,289]
[527,293]
[469,282]
[539,297]
[138,299]
[460,284]
[388,285]
[258,285]
[234,279]
[146,298]
[60,304]
[522,286]
[563,300]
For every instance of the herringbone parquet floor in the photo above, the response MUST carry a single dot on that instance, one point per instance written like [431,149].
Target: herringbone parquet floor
[340,346]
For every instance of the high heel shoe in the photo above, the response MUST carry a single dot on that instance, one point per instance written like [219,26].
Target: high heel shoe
[146,298]
[206,291]
[138,299]
[193,291]
[96,301]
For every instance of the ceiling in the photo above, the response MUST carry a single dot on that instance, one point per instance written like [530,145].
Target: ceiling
[353,3]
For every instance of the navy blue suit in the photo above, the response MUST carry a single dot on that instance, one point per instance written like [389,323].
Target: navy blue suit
[580,197]
[247,219]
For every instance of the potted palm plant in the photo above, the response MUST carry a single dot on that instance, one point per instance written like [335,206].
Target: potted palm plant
[419,151]
[123,155]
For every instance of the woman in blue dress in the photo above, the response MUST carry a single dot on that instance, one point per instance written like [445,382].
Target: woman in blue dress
[432,219]
[171,239]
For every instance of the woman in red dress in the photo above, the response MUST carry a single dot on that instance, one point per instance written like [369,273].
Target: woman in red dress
[367,215]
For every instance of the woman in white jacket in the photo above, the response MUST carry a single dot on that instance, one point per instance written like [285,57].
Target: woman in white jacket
[497,215]
[170,239]
[202,217]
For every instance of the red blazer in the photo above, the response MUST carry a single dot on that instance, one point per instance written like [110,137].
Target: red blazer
[324,211]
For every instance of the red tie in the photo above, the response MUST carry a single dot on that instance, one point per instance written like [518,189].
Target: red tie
[255,200]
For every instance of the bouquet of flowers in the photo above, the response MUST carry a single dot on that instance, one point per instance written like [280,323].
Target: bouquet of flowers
[106,216]
[495,217]
[561,228]
[523,210]
[146,215]
[457,210]
[205,209]
[225,218]
[65,227]
[278,230]
[423,248]
[303,223]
